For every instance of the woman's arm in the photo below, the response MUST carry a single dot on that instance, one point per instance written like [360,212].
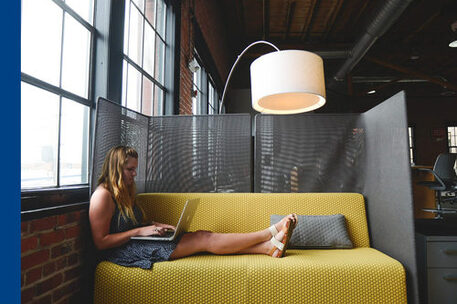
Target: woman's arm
[101,211]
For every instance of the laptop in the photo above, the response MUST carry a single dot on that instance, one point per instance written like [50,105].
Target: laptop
[183,225]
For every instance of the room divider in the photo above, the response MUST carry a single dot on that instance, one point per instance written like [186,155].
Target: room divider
[366,153]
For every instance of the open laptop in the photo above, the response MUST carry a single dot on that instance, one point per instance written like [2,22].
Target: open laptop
[183,225]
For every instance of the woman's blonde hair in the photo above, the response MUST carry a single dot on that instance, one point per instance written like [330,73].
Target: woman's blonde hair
[113,180]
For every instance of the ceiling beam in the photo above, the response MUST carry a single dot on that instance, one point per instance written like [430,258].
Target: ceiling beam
[290,16]
[443,83]
[266,19]
[331,22]
[310,18]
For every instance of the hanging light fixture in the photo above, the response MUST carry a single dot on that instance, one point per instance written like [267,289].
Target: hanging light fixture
[285,82]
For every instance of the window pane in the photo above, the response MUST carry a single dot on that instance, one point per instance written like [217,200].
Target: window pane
[148,94]
[150,11]
[161,17]
[74,143]
[84,8]
[140,4]
[160,60]
[133,89]
[135,35]
[124,83]
[126,26]
[158,101]
[76,54]
[149,39]
[39,137]
[41,34]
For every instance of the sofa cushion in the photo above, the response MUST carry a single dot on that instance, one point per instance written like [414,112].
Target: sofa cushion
[318,231]
[247,212]
[359,275]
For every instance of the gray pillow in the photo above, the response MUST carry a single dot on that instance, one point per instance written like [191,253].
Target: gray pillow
[318,231]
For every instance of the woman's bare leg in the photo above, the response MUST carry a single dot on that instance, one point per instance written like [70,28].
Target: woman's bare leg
[227,243]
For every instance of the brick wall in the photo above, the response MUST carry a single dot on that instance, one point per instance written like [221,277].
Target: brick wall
[55,267]
[185,80]
[208,15]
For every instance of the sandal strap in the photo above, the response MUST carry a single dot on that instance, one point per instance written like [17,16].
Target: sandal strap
[277,243]
[273,230]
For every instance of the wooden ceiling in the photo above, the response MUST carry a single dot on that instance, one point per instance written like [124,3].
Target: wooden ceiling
[412,53]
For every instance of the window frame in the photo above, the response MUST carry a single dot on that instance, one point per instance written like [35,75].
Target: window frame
[412,144]
[39,198]
[170,41]
[449,147]
[105,80]
[202,89]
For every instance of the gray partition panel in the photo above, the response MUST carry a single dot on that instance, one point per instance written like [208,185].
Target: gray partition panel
[388,186]
[207,153]
[309,153]
[116,125]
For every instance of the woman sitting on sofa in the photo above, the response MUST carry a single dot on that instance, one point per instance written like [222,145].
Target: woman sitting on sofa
[114,218]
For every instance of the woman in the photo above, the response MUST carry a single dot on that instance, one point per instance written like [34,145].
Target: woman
[114,218]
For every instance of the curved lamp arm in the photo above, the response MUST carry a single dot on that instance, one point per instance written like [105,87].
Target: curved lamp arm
[233,67]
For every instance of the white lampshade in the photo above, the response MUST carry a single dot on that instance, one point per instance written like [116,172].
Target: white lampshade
[287,82]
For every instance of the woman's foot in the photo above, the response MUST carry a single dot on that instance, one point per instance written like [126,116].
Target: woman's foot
[274,229]
[278,243]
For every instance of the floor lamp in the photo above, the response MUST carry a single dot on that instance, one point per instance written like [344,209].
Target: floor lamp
[284,82]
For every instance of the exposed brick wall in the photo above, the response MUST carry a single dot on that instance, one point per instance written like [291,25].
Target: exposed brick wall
[54,259]
[208,15]
[185,100]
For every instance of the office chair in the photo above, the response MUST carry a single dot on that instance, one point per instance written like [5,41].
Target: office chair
[445,178]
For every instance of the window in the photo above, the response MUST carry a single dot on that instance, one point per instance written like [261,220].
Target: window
[56,55]
[205,99]
[412,150]
[452,139]
[143,80]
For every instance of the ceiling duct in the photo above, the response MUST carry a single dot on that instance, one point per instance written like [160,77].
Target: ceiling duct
[386,15]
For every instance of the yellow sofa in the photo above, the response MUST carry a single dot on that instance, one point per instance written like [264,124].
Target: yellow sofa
[358,275]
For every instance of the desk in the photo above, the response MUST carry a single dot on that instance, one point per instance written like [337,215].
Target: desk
[436,245]
[423,197]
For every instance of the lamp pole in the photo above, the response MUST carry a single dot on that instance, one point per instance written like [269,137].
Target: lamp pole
[236,62]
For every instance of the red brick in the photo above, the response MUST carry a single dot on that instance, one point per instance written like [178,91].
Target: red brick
[49,284]
[72,273]
[65,301]
[24,227]
[29,243]
[61,263]
[32,275]
[49,268]
[43,224]
[27,294]
[34,259]
[22,279]
[61,249]
[68,289]
[72,232]
[47,299]
[53,237]
[73,259]
[68,218]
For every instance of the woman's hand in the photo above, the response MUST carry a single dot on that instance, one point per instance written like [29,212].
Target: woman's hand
[166,226]
[152,230]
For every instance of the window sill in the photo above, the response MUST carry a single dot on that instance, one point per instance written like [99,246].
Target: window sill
[45,202]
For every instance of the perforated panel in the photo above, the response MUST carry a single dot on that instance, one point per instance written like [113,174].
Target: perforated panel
[209,153]
[116,125]
[309,153]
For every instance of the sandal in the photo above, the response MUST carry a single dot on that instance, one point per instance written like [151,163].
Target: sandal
[274,231]
[282,245]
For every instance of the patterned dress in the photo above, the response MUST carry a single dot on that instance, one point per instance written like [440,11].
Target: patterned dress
[136,253]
